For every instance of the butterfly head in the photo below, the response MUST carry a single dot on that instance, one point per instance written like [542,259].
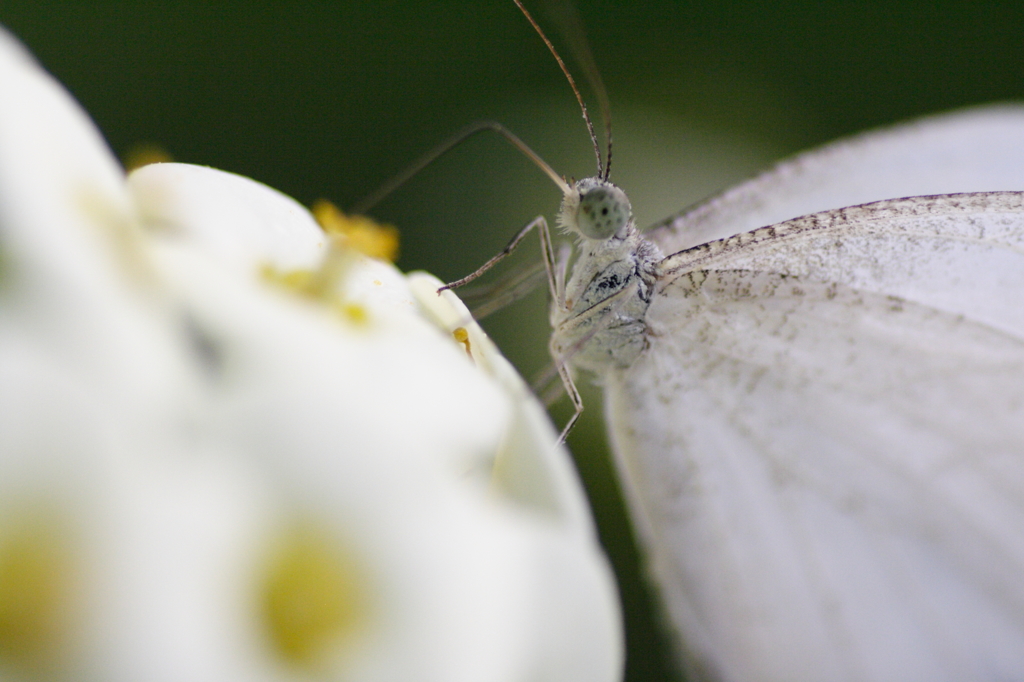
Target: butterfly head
[595,209]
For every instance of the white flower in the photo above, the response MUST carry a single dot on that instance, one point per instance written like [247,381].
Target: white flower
[206,475]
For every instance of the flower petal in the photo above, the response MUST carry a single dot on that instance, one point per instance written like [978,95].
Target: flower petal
[240,220]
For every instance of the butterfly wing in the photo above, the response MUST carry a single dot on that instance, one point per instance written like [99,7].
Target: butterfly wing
[980,149]
[823,445]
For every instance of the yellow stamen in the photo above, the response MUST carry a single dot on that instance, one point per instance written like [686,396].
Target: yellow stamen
[143,154]
[360,233]
[316,286]
[355,313]
[462,336]
[35,587]
[296,281]
[315,597]
[350,238]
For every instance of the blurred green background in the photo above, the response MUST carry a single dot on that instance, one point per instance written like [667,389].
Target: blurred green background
[331,99]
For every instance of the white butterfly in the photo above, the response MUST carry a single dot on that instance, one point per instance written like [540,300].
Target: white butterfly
[820,423]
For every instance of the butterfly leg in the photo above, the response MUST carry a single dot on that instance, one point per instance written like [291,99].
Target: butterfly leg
[487,299]
[605,314]
[574,396]
[561,271]
[556,273]
[545,239]
[556,286]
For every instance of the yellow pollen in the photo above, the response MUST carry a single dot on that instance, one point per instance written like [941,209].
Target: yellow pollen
[359,233]
[143,154]
[314,597]
[462,336]
[35,587]
[314,286]
[297,281]
[355,313]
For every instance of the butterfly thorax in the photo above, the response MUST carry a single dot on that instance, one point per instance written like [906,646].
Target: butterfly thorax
[598,320]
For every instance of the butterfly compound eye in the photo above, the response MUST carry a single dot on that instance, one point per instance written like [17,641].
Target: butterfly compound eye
[603,211]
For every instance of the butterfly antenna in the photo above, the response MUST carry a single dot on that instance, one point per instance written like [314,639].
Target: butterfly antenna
[368,202]
[567,17]
[601,170]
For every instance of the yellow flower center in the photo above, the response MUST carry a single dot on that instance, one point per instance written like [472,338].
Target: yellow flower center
[35,591]
[314,598]
[358,232]
[351,238]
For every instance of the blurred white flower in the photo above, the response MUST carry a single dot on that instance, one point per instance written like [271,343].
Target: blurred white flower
[233,448]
